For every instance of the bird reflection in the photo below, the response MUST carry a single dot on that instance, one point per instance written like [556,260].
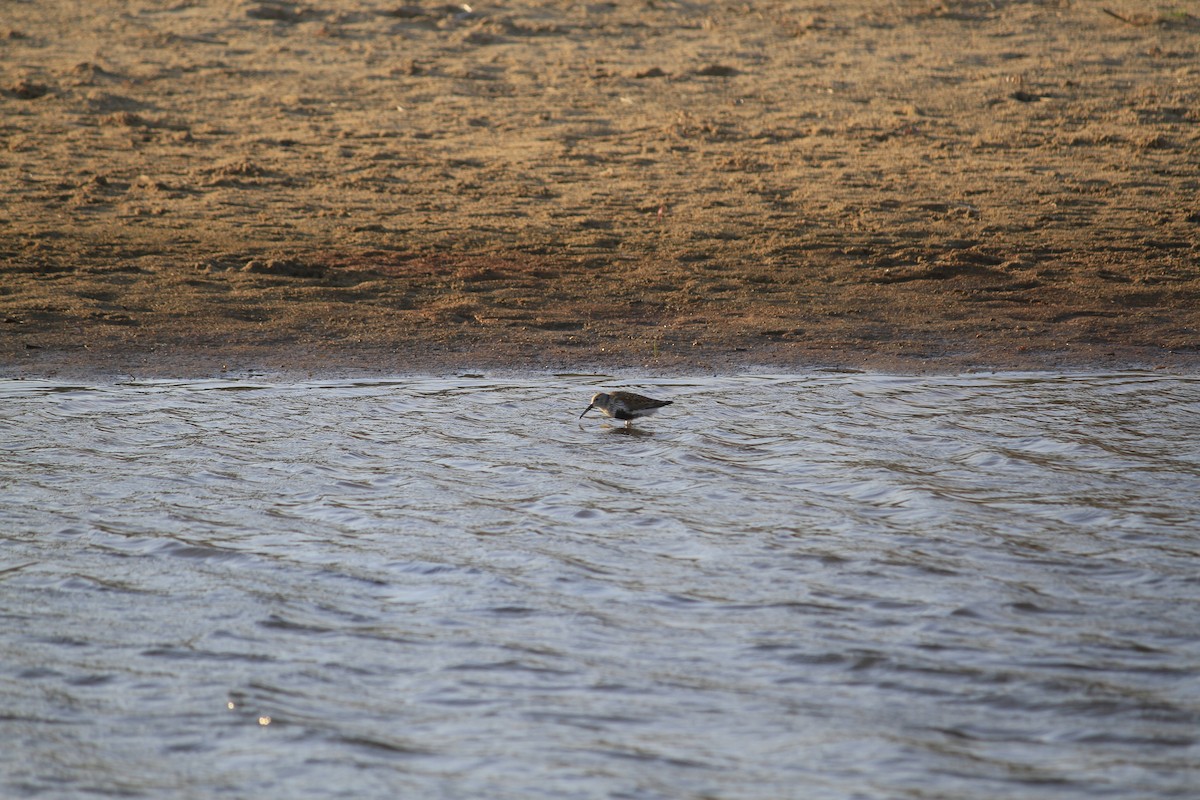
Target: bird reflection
[623,431]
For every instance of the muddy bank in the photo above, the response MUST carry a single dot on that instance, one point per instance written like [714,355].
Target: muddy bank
[665,186]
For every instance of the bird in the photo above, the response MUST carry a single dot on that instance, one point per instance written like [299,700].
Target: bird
[625,406]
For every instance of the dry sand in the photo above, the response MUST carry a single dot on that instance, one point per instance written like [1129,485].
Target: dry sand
[197,185]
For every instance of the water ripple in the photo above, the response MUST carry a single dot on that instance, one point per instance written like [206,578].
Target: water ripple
[826,584]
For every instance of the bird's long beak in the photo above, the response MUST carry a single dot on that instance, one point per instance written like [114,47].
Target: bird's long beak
[589,408]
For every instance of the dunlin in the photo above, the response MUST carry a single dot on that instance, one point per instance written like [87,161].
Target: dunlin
[625,406]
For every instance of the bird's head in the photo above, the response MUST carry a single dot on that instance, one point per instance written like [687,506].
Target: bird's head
[598,399]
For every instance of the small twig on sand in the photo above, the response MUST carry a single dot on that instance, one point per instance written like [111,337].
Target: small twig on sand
[1123,18]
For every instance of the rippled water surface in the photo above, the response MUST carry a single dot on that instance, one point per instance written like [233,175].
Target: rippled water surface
[825,585]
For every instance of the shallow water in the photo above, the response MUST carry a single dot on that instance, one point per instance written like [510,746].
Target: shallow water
[825,585]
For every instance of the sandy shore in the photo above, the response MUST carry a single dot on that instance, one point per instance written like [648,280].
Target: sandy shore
[375,187]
